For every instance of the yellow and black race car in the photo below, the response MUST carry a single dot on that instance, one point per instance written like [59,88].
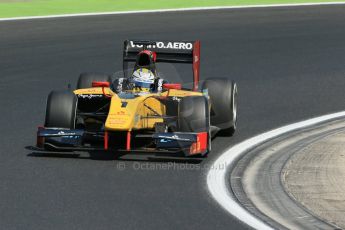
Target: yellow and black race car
[141,112]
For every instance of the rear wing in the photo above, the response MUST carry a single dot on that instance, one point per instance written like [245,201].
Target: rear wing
[167,51]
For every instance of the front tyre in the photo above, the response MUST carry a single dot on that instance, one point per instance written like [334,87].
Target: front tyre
[61,110]
[194,116]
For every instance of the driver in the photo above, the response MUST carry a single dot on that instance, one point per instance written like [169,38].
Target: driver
[142,80]
[144,77]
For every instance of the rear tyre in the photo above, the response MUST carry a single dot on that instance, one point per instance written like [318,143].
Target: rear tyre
[223,97]
[194,116]
[61,110]
[85,79]
[231,131]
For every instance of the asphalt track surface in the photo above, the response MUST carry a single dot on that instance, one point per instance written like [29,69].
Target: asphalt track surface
[288,62]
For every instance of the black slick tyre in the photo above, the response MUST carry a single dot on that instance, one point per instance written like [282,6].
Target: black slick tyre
[223,98]
[85,79]
[61,110]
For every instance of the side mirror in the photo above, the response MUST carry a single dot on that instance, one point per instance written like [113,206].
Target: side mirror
[172,86]
[100,84]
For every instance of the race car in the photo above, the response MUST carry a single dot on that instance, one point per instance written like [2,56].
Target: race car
[141,111]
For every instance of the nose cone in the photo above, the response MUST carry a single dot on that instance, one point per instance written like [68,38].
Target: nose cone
[121,116]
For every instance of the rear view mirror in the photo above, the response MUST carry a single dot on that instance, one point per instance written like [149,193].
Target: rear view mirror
[172,86]
[100,84]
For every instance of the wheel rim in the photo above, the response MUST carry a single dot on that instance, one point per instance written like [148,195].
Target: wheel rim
[234,106]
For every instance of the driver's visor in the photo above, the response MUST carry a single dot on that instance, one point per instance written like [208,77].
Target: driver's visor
[142,84]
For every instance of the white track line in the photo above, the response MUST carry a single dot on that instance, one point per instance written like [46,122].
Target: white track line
[170,10]
[217,175]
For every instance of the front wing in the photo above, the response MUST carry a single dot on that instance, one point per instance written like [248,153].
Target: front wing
[59,139]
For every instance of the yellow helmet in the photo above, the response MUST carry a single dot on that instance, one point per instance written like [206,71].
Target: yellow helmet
[143,78]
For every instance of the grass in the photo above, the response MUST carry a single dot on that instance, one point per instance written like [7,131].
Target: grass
[18,8]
